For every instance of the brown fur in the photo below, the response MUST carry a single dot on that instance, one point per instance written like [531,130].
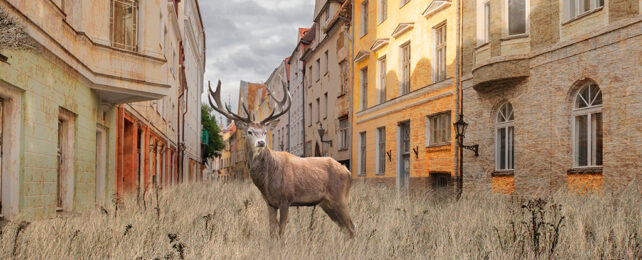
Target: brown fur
[286,180]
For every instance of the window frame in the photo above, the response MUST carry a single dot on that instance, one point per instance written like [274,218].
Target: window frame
[405,68]
[364,18]
[594,5]
[343,135]
[381,153]
[486,12]
[588,111]
[135,30]
[440,45]
[381,79]
[510,138]
[526,19]
[382,11]
[362,153]
[442,136]
[363,86]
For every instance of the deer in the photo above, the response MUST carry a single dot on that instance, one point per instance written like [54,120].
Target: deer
[285,180]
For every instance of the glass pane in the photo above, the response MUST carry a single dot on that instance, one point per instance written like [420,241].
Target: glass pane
[581,139]
[596,131]
[501,136]
[516,17]
[596,96]
[586,5]
[511,150]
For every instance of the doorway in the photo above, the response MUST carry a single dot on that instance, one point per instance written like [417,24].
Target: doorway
[65,156]
[403,161]
[101,164]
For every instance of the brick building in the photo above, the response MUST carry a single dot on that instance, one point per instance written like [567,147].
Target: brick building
[404,92]
[552,90]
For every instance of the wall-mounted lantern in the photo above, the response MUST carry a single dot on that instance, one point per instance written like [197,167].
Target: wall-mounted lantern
[460,127]
[322,133]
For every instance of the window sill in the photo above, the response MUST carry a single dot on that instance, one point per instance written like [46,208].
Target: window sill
[380,174]
[499,173]
[482,45]
[438,145]
[585,170]
[343,149]
[585,14]
[514,37]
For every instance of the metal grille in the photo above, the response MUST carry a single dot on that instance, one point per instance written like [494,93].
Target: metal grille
[124,24]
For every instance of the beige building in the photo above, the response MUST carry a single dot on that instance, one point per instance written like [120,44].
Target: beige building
[281,133]
[327,86]
[551,92]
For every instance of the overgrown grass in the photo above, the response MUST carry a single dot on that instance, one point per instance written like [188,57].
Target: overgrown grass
[222,221]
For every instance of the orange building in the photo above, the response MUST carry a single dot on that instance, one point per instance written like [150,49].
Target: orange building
[404,92]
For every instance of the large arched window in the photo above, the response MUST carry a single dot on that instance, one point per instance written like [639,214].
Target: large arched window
[504,152]
[587,127]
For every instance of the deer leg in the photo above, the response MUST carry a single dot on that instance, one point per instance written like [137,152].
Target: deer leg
[272,219]
[344,218]
[332,213]
[283,213]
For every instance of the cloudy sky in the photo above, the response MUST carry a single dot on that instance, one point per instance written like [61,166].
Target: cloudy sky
[247,39]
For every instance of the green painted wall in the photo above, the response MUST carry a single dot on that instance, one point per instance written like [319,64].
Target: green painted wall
[49,84]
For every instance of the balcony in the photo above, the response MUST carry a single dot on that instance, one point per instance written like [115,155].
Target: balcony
[500,70]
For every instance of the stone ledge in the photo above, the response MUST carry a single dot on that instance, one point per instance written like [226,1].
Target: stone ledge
[500,69]
[503,173]
[589,170]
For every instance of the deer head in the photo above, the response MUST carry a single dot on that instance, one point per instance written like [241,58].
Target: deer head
[255,131]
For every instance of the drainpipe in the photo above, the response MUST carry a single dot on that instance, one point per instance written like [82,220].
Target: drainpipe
[459,106]
[303,115]
[350,38]
[186,91]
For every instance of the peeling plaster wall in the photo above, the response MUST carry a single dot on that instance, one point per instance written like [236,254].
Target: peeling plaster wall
[48,84]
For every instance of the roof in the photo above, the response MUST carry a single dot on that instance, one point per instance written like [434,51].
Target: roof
[309,37]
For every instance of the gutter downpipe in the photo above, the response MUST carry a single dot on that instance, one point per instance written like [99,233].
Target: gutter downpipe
[459,106]
[185,91]
[303,105]
[350,38]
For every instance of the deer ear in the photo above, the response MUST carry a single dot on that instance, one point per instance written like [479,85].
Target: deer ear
[272,124]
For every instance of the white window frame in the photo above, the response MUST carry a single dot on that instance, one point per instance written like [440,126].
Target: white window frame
[526,22]
[588,111]
[382,13]
[364,18]
[440,62]
[381,158]
[136,21]
[317,71]
[363,93]
[486,12]
[578,5]
[381,80]
[406,73]
[510,139]
[362,154]
[430,128]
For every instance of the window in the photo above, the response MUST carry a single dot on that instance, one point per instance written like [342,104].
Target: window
[362,153]
[438,129]
[308,149]
[504,138]
[486,28]
[124,24]
[325,105]
[383,10]
[403,2]
[364,18]
[516,17]
[404,84]
[381,150]
[575,8]
[440,53]
[65,159]
[363,79]
[318,110]
[381,84]
[404,148]
[317,72]
[310,109]
[327,62]
[343,134]
[344,77]
[587,117]
[310,77]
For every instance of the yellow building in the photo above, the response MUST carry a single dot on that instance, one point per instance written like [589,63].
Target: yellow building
[404,100]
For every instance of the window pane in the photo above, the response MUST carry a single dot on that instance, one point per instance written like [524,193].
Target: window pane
[501,137]
[581,139]
[511,150]
[596,131]
[516,17]
[586,5]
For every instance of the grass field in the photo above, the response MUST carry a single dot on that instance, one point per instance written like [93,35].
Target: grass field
[222,221]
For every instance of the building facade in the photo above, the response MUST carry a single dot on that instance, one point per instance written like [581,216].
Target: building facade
[62,104]
[297,77]
[327,88]
[404,99]
[551,90]
[281,133]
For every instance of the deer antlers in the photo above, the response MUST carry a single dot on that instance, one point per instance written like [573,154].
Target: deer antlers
[219,106]
[229,114]
[286,99]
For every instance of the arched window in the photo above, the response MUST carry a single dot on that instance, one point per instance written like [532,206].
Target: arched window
[587,127]
[504,152]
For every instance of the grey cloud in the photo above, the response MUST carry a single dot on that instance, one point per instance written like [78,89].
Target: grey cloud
[246,39]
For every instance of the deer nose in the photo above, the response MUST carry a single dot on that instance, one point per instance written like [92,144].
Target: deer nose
[260,144]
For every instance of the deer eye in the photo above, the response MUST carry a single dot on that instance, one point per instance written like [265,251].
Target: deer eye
[250,132]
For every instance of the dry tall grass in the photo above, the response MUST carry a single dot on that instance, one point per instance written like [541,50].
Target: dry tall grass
[212,221]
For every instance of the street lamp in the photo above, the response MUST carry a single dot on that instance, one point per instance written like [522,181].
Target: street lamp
[460,128]
[322,133]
